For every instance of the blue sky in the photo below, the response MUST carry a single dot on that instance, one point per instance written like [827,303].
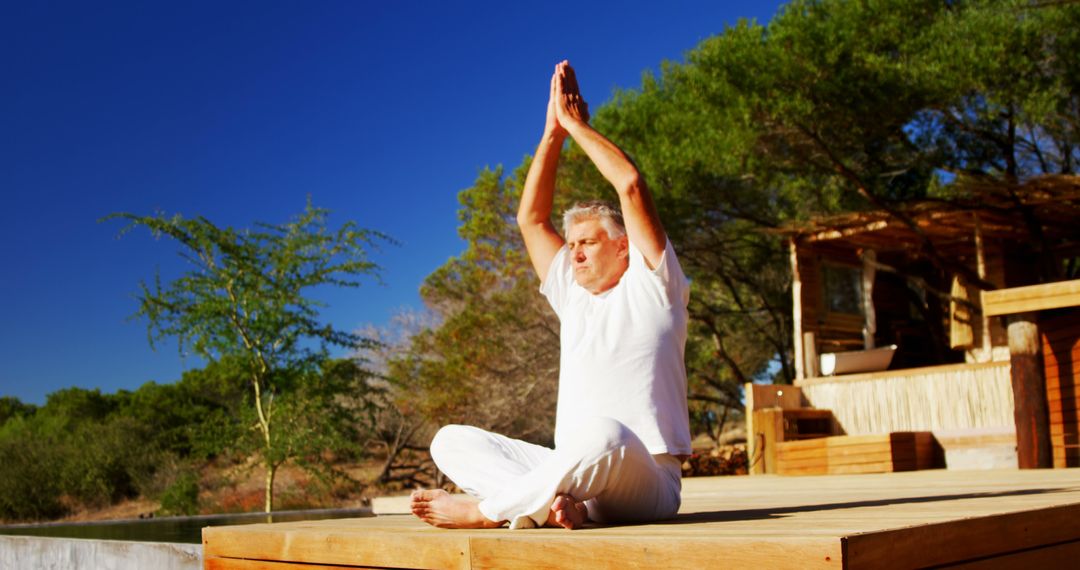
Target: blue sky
[380,111]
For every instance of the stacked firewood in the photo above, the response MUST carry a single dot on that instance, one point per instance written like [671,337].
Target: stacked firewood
[722,460]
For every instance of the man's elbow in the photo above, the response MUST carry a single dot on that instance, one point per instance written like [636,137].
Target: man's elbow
[528,221]
[630,185]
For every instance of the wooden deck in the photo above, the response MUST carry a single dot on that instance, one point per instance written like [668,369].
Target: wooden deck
[972,519]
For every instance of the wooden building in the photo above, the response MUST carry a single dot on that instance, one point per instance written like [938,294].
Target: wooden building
[889,330]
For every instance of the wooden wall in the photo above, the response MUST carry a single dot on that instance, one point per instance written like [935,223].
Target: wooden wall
[1060,331]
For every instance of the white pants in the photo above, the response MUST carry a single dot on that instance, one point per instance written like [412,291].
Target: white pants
[606,466]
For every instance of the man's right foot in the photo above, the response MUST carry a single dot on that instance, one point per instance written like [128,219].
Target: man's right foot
[439,508]
[567,512]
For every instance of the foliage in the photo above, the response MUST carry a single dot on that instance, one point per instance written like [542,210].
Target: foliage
[29,488]
[495,351]
[182,496]
[247,299]
[832,106]
[74,451]
[11,407]
[86,449]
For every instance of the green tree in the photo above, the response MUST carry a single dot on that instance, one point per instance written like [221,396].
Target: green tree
[11,407]
[495,351]
[833,106]
[247,298]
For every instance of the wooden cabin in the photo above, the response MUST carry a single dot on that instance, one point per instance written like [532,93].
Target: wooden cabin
[890,333]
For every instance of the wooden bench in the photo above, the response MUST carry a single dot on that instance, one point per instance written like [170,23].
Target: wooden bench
[842,454]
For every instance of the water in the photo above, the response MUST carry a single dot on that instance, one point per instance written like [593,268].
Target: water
[171,529]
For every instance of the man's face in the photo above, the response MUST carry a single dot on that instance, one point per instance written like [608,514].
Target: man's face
[599,261]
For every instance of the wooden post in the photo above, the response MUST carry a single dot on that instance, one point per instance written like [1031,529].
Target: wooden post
[980,266]
[1029,393]
[751,438]
[813,364]
[869,270]
[768,431]
[796,310]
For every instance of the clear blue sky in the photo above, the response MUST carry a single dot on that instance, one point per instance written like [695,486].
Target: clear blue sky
[380,111]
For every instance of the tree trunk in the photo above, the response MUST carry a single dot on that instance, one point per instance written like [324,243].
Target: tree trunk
[271,472]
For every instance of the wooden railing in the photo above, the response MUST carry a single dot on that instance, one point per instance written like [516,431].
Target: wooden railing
[951,397]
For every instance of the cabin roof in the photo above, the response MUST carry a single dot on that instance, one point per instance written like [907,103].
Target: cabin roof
[1001,212]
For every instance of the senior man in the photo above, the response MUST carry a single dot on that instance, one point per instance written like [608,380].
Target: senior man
[622,427]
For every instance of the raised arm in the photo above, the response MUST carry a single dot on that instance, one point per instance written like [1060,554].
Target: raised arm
[643,226]
[534,214]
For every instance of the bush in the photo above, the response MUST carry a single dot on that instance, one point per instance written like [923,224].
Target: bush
[182,496]
[28,482]
[105,463]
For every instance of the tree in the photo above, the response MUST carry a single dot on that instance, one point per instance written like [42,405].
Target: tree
[395,425]
[247,297]
[496,349]
[833,106]
[12,407]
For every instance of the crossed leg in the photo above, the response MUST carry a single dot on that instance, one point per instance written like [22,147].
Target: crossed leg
[441,509]
[606,469]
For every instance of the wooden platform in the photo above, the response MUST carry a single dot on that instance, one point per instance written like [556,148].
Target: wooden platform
[973,519]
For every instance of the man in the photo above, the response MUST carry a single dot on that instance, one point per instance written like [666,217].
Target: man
[622,427]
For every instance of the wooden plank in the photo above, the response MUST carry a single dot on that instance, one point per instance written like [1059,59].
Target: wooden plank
[803,470]
[960,540]
[1031,298]
[802,445]
[554,551]
[1056,382]
[880,457]
[437,549]
[879,467]
[801,458]
[1063,398]
[1064,417]
[857,439]
[1063,555]
[1055,354]
[242,564]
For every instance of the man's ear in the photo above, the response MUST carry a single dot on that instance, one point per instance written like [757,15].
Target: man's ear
[624,247]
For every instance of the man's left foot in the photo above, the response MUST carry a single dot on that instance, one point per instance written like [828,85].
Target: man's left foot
[439,508]
[567,512]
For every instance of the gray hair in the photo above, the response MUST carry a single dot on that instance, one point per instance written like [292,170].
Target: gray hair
[609,216]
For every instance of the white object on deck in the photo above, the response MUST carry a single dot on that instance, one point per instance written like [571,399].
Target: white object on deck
[855,361]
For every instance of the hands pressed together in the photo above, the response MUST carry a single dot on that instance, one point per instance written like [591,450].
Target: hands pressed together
[566,106]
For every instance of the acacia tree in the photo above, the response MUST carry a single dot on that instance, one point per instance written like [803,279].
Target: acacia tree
[247,298]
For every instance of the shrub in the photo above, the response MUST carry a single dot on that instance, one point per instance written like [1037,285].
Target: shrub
[182,496]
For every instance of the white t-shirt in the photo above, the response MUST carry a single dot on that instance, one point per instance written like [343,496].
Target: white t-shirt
[622,350]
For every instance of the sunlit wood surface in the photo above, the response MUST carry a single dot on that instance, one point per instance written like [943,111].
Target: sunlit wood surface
[981,519]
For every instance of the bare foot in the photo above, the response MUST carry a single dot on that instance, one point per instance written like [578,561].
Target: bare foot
[439,508]
[567,513]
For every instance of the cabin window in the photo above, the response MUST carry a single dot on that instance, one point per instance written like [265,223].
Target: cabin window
[843,289]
